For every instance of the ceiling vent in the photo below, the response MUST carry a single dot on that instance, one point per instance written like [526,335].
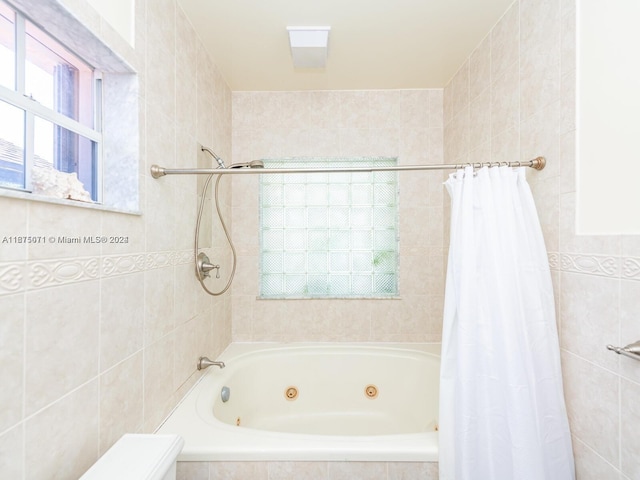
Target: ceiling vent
[309,46]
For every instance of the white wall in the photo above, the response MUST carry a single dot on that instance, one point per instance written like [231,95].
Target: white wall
[608,102]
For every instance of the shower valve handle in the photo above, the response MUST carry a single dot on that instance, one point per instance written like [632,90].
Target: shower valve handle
[205,266]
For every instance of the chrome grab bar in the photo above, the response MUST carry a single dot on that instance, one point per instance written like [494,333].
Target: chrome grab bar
[632,350]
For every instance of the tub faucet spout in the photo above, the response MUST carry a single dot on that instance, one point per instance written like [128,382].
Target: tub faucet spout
[204,362]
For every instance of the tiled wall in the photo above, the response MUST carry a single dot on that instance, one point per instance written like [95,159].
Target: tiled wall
[307,470]
[402,123]
[514,99]
[98,340]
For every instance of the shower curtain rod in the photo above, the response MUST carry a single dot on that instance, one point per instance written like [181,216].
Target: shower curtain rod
[156,171]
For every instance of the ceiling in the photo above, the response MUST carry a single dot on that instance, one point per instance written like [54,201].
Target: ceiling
[373,44]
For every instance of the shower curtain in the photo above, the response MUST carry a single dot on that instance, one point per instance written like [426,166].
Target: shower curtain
[502,412]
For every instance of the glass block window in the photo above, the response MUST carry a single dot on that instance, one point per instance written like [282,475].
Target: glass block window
[329,235]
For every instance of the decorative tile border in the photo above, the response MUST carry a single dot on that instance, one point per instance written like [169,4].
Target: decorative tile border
[594,264]
[12,278]
[60,272]
[631,268]
[121,265]
[602,265]
[21,276]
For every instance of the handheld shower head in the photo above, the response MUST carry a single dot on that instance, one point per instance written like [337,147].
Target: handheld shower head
[251,164]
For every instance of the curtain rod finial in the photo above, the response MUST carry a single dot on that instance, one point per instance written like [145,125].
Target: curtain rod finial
[539,163]
[157,172]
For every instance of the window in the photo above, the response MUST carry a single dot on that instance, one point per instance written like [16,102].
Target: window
[50,140]
[329,235]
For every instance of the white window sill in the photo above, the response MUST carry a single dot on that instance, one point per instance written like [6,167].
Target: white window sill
[61,201]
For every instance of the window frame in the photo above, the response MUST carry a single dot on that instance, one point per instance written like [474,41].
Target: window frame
[353,251]
[18,98]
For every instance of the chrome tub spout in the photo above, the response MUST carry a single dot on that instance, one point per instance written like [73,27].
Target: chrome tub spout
[204,362]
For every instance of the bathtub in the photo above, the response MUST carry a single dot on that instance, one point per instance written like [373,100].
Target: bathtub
[313,402]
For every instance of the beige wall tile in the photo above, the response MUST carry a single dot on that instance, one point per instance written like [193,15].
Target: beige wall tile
[629,326]
[415,109]
[480,68]
[131,227]
[505,100]
[505,46]
[158,381]
[590,322]
[480,126]
[121,401]
[52,220]
[159,317]
[354,110]
[360,470]
[238,470]
[12,360]
[590,465]
[412,471]
[121,318]
[539,136]
[14,224]
[160,23]
[61,344]
[548,207]
[160,215]
[62,439]
[160,92]
[298,470]
[192,471]
[568,162]
[505,146]
[456,142]
[591,415]
[436,108]
[459,96]
[629,435]
[12,452]
[186,356]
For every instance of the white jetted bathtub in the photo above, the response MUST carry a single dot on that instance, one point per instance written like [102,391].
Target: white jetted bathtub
[314,402]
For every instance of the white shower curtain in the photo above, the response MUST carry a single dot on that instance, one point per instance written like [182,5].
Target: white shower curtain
[502,412]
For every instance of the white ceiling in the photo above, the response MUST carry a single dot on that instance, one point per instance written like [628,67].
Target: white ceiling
[373,44]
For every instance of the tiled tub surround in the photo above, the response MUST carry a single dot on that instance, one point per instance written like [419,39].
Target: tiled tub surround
[406,124]
[513,99]
[101,339]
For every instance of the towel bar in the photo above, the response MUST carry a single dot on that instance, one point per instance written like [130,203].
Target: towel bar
[632,350]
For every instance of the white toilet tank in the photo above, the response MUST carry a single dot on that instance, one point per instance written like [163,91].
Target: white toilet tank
[138,457]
